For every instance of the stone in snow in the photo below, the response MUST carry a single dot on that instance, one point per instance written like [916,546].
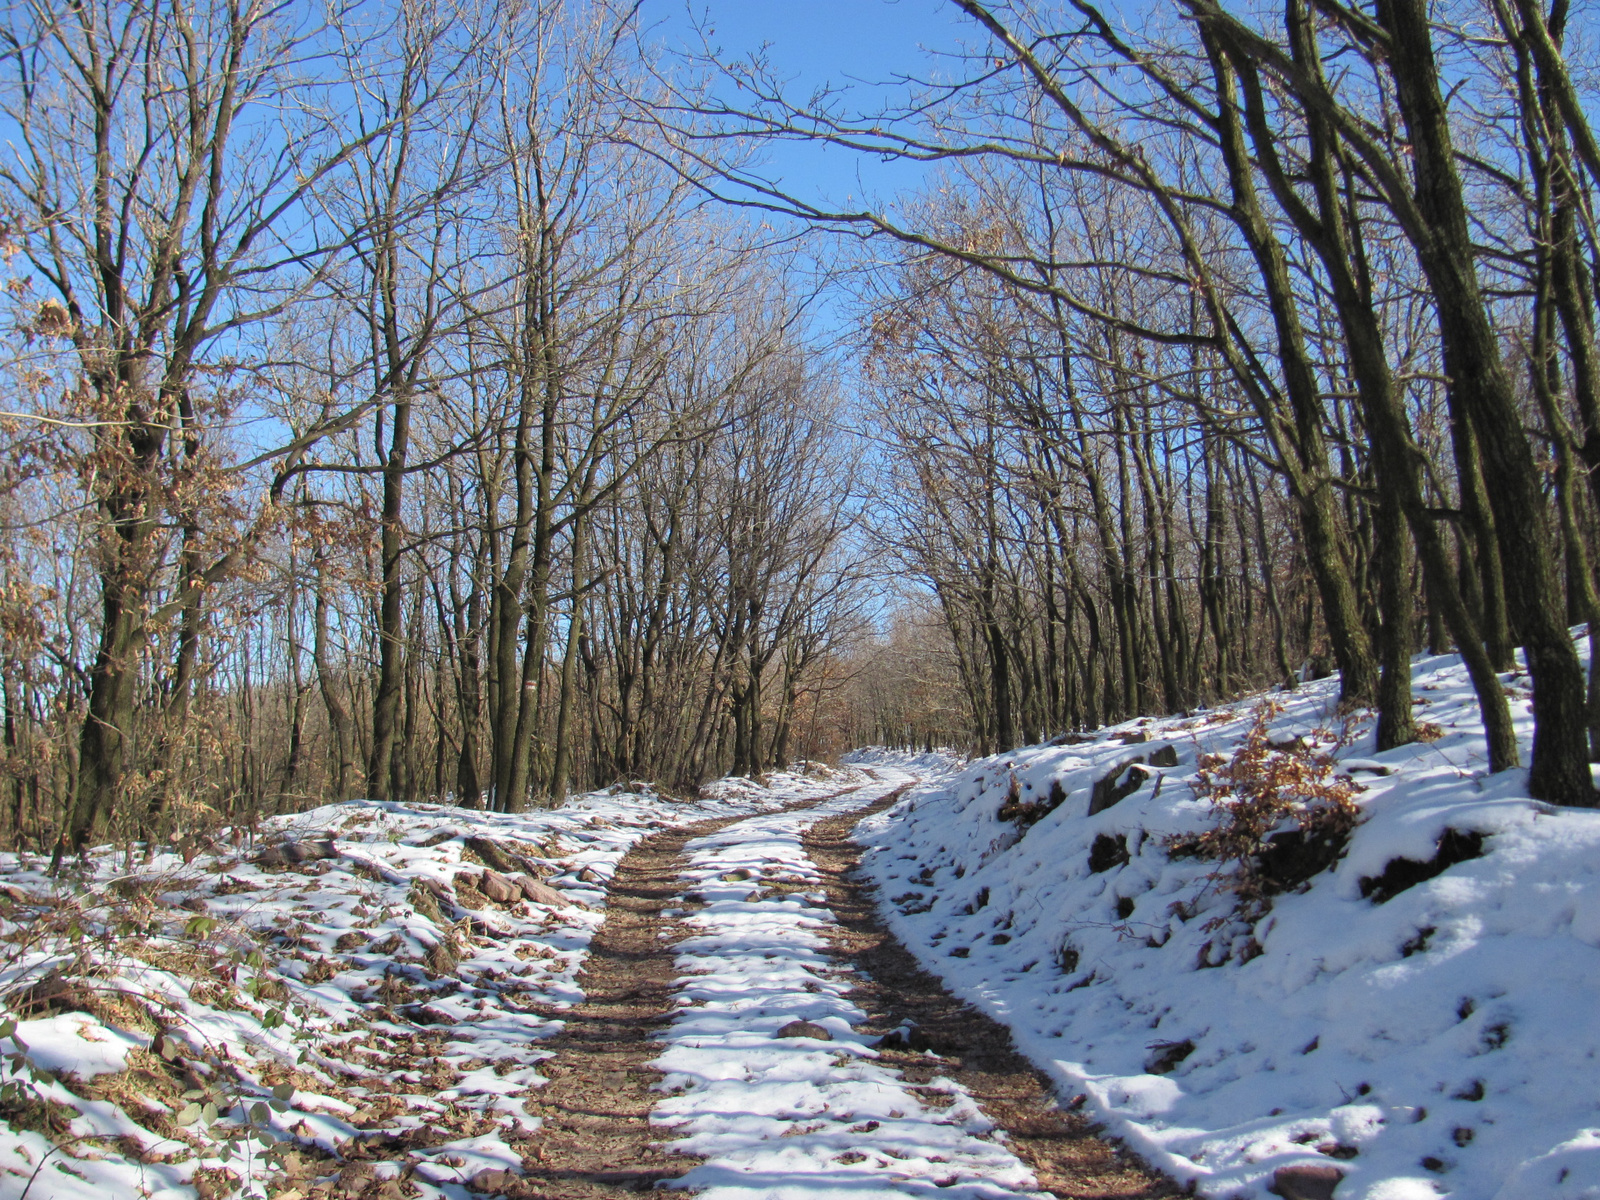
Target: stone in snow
[498,888]
[297,852]
[1306,1181]
[543,893]
[805,1029]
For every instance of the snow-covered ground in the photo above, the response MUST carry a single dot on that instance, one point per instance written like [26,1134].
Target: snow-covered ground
[1422,1033]
[1438,1040]
[800,1117]
[400,994]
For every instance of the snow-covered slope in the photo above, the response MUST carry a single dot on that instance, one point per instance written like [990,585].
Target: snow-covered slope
[363,961]
[1441,1038]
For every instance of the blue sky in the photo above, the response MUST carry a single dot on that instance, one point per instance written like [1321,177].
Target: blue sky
[855,43]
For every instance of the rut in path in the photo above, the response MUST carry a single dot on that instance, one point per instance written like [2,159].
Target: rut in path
[597,1141]
[971,1048]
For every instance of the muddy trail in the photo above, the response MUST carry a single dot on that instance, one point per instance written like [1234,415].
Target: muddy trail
[597,1140]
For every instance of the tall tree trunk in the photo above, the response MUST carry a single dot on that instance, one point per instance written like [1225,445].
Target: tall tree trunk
[332,701]
[1481,389]
[391,607]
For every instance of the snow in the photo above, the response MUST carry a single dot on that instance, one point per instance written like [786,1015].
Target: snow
[796,1118]
[1443,1042]
[318,974]
[1433,1039]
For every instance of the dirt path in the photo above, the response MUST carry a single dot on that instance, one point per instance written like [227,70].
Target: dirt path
[973,1049]
[597,1141]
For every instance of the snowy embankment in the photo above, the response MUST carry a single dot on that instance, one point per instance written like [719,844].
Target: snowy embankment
[769,1080]
[390,970]
[1412,1028]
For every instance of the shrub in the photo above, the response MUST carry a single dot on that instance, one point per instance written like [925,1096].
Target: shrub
[1282,814]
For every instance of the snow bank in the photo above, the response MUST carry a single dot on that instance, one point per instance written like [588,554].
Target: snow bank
[1442,1040]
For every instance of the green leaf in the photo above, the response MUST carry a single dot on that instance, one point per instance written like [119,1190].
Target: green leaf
[278,1106]
[260,1114]
[198,927]
[189,1114]
[209,1112]
[284,1091]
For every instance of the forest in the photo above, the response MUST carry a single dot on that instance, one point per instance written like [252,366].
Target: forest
[426,401]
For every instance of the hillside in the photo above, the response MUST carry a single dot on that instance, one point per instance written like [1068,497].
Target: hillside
[1415,1018]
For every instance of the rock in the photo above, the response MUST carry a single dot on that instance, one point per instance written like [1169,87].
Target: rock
[1027,813]
[1112,788]
[736,876]
[495,1180]
[908,1037]
[805,1029]
[543,893]
[1164,756]
[290,853]
[1306,1181]
[301,852]
[1292,856]
[1454,847]
[491,854]
[1167,1056]
[1370,766]
[1071,739]
[590,875]
[1131,737]
[433,887]
[498,888]
[1108,851]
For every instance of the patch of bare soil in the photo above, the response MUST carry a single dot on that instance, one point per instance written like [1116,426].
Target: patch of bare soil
[973,1049]
[596,1140]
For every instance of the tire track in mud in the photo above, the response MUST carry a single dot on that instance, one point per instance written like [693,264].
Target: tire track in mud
[971,1047]
[596,1140]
